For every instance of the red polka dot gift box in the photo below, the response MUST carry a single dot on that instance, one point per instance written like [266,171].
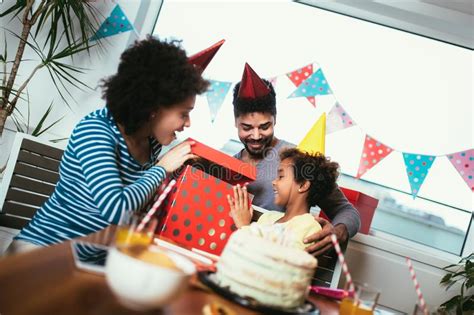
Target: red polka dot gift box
[196,213]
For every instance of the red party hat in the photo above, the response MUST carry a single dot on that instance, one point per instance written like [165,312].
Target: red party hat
[252,86]
[204,57]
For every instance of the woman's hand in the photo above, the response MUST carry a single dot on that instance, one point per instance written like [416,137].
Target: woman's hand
[174,158]
[240,210]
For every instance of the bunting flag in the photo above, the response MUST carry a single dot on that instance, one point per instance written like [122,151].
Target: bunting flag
[315,141]
[300,75]
[463,162]
[374,152]
[417,167]
[315,85]
[116,23]
[338,119]
[312,84]
[216,95]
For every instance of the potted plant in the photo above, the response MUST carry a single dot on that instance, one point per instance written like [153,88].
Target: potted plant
[461,273]
[53,29]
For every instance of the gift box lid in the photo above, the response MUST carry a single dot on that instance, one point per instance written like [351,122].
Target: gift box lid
[227,161]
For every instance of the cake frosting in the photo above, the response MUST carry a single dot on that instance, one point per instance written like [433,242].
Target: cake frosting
[256,263]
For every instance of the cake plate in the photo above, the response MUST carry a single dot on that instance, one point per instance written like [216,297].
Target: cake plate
[208,279]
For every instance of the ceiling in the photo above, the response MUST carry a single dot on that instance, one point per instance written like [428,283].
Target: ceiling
[450,21]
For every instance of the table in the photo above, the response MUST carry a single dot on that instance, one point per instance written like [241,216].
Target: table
[46,281]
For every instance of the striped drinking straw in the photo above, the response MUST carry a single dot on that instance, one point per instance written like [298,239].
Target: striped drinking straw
[156,205]
[421,300]
[340,256]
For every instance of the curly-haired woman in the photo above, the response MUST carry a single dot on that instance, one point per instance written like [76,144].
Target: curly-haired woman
[302,180]
[111,165]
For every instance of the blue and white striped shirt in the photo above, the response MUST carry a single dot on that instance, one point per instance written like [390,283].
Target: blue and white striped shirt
[99,180]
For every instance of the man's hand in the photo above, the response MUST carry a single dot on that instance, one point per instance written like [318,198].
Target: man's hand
[240,210]
[322,238]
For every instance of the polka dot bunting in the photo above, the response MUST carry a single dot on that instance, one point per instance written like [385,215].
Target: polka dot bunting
[374,152]
[300,75]
[463,162]
[315,85]
[216,95]
[338,119]
[417,167]
[116,23]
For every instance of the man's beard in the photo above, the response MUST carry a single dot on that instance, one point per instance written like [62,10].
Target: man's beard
[265,145]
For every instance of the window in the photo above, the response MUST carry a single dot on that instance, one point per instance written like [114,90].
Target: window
[411,93]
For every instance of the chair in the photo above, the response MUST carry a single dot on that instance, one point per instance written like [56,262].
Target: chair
[329,270]
[30,178]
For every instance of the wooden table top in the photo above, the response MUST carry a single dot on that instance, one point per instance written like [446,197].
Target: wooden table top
[46,281]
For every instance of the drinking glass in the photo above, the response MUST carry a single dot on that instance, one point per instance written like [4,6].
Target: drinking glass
[128,232]
[363,303]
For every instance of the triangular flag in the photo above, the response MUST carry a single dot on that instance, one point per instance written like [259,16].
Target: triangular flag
[374,152]
[315,85]
[417,167]
[338,119]
[300,75]
[116,23]
[314,141]
[216,95]
[464,163]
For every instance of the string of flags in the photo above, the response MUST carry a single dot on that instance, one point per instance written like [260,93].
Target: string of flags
[312,84]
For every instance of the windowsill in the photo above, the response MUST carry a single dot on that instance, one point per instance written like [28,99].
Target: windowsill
[397,246]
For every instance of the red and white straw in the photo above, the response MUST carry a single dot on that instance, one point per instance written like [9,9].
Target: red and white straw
[340,256]
[421,300]
[156,205]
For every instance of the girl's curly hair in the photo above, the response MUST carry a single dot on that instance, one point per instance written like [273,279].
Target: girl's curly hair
[152,74]
[319,170]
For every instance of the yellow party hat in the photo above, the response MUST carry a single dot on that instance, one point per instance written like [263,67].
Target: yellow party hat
[314,141]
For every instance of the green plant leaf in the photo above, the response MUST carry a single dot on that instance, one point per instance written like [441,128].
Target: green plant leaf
[18,7]
[468,303]
[451,303]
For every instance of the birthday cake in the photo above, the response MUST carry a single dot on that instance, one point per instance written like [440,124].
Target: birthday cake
[257,265]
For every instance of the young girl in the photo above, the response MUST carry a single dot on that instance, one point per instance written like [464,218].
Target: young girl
[302,180]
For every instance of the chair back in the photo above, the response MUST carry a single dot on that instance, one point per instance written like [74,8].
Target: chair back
[30,178]
[328,271]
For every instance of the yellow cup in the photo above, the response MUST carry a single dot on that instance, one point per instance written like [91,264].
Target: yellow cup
[128,234]
[350,307]
[363,303]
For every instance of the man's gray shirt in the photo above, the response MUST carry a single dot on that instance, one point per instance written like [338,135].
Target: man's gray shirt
[335,206]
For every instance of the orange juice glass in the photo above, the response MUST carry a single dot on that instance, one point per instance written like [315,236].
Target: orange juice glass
[128,234]
[349,307]
[364,301]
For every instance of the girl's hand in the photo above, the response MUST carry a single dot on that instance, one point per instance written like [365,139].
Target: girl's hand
[240,210]
[174,158]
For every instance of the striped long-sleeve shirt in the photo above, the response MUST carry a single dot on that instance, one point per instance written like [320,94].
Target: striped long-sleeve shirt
[99,180]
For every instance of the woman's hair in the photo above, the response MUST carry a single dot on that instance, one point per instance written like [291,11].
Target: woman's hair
[315,168]
[152,74]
